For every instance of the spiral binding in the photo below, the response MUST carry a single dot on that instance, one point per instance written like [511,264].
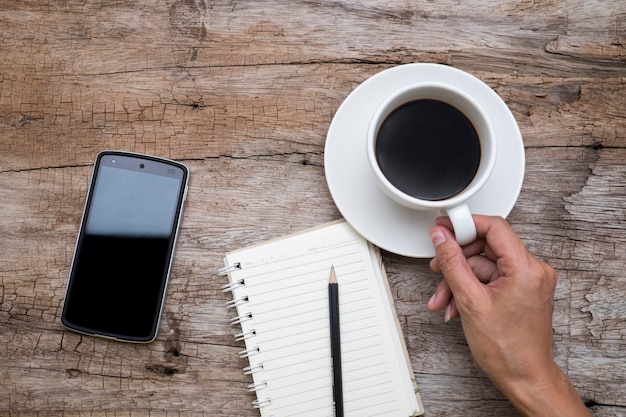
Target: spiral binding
[246,353]
[261,403]
[245,335]
[233,285]
[236,302]
[258,386]
[228,269]
[240,319]
[249,370]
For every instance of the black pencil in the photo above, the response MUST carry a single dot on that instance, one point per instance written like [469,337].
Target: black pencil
[335,342]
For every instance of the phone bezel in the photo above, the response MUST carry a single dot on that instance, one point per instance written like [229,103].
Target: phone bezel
[175,231]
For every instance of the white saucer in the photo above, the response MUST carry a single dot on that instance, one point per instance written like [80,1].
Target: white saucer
[364,205]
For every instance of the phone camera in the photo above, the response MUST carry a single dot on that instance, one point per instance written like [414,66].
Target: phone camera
[142,166]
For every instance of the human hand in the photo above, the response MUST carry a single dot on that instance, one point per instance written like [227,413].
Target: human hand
[505,299]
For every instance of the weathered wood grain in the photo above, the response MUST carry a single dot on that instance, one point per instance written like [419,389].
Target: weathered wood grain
[155,77]
[243,93]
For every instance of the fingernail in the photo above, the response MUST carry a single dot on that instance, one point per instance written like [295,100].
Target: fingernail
[432,299]
[448,313]
[437,238]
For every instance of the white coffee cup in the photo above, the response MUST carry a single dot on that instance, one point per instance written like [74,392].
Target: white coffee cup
[455,206]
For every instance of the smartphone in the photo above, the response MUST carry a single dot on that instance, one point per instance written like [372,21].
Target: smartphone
[125,246]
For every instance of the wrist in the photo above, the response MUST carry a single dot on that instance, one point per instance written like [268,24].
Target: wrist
[549,394]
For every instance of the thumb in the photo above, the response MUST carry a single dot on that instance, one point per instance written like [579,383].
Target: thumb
[453,264]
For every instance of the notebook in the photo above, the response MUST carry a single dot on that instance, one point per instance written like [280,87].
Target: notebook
[280,300]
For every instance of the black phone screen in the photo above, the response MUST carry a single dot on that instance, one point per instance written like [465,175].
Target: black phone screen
[123,254]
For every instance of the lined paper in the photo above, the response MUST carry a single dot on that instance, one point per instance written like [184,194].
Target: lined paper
[286,293]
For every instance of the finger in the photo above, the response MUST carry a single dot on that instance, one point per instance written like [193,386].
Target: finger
[444,221]
[495,238]
[452,263]
[468,251]
[440,298]
[477,247]
[474,248]
[501,241]
[485,269]
[485,224]
[451,311]
[434,265]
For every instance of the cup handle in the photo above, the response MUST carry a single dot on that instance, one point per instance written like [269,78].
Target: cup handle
[463,223]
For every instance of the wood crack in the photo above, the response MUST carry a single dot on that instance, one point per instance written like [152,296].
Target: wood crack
[45,168]
[302,158]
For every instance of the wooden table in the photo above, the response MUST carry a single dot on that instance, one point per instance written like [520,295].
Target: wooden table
[243,92]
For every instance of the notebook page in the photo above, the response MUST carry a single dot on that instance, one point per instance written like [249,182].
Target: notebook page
[288,337]
[399,345]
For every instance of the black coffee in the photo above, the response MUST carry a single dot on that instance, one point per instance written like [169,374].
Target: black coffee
[428,149]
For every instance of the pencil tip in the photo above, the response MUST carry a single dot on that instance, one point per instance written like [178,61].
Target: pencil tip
[333,276]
